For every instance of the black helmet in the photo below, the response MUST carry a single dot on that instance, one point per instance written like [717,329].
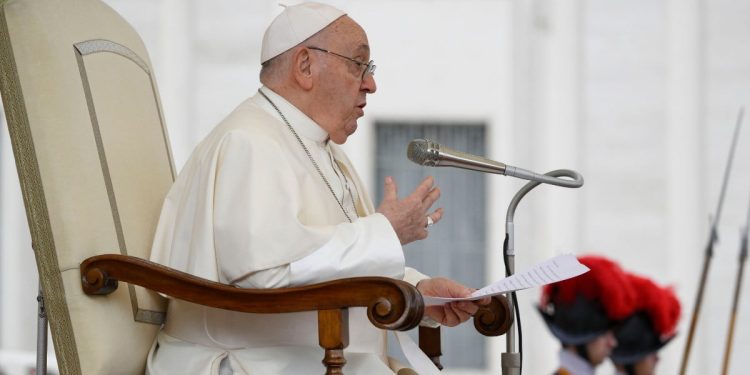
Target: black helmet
[651,327]
[582,308]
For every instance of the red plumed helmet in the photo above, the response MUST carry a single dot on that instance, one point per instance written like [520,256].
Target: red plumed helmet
[580,309]
[652,325]
[661,304]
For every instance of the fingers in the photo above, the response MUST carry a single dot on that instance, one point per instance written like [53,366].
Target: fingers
[424,187]
[435,215]
[408,216]
[455,313]
[425,195]
[466,307]
[450,319]
[390,190]
[462,315]
[469,308]
[482,302]
[428,200]
[431,197]
[425,192]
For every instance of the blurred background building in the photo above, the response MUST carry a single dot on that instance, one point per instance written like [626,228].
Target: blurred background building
[640,96]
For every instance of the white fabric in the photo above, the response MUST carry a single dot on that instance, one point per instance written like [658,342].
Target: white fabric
[249,185]
[295,24]
[575,364]
[249,209]
[416,357]
[333,261]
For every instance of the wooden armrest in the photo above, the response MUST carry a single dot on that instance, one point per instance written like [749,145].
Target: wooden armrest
[391,304]
[493,319]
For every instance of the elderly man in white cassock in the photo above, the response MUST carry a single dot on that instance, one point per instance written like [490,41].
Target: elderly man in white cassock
[269,200]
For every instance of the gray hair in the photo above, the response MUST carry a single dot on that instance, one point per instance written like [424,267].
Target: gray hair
[272,70]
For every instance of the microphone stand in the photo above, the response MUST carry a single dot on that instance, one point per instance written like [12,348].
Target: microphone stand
[737,287]
[713,237]
[512,360]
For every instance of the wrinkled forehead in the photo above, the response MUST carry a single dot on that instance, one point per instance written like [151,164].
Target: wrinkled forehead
[347,36]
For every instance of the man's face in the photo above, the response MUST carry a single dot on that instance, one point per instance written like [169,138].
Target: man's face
[341,90]
[647,365]
[601,348]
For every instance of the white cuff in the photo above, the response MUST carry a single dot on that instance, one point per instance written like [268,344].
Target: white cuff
[413,276]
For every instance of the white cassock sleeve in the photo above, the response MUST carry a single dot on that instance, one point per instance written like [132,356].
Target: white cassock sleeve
[340,258]
[337,259]
[333,262]
[263,204]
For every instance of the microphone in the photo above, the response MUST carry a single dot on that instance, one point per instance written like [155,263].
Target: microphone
[430,154]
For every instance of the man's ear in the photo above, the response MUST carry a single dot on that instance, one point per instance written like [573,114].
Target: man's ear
[302,68]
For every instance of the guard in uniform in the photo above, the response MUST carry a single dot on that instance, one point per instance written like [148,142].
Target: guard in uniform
[583,311]
[645,332]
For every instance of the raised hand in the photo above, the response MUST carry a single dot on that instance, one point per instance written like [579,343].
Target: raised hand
[408,216]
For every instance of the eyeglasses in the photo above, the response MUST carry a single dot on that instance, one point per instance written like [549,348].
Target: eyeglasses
[369,66]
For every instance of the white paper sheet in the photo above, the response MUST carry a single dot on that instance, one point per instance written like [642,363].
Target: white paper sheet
[553,270]
[418,361]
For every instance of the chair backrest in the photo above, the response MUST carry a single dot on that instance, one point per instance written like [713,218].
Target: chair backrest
[94,162]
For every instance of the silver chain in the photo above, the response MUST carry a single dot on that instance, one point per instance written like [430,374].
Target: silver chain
[309,156]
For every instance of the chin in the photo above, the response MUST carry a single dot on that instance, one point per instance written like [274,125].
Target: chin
[338,140]
[345,134]
[351,129]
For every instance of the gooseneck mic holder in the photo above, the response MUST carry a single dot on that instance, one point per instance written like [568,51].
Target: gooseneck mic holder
[430,154]
[512,359]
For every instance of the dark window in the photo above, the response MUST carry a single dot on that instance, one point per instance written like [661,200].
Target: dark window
[456,246]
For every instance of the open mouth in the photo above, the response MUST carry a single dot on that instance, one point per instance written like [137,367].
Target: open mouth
[361,108]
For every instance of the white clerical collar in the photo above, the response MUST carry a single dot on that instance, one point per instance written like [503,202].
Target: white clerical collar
[303,125]
[575,364]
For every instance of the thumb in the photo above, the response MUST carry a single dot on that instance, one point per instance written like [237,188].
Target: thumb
[390,190]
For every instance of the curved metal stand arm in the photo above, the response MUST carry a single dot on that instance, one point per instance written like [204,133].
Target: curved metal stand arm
[511,360]
[577,180]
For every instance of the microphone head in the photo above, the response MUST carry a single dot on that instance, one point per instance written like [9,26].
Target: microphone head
[423,152]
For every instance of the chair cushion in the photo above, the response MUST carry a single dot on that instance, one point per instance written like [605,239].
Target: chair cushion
[94,162]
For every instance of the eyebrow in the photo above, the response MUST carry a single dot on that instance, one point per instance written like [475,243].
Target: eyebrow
[362,49]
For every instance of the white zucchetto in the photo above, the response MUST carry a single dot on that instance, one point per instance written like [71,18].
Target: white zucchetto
[295,24]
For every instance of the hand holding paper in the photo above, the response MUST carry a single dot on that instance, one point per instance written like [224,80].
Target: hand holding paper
[553,270]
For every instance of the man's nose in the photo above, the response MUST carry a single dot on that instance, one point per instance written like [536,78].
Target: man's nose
[368,84]
[613,340]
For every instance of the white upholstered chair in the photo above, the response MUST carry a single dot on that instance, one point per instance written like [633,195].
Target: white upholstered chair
[94,161]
